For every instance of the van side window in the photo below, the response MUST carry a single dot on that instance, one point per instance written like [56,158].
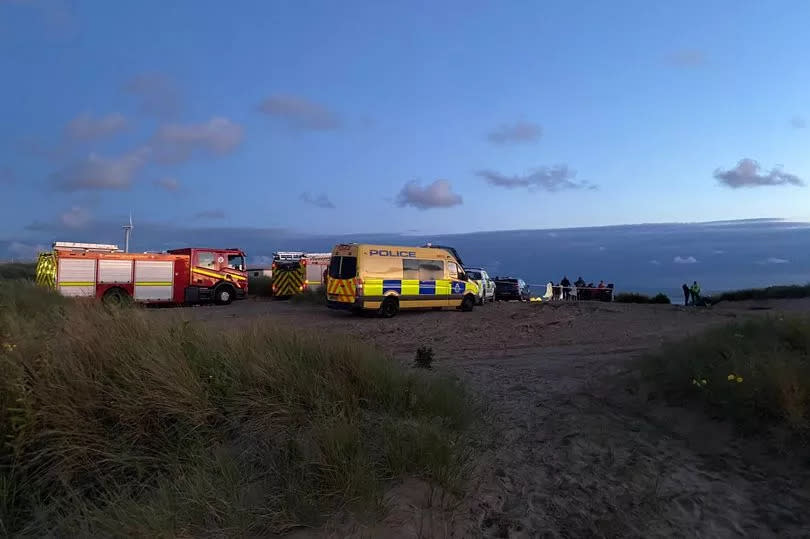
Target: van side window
[422,270]
[410,269]
[453,269]
[431,270]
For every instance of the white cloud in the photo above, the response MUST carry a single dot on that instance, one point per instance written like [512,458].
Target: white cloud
[747,174]
[552,179]
[156,93]
[774,260]
[655,262]
[319,201]
[516,133]
[86,127]
[24,250]
[300,113]
[169,184]
[97,172]
[685,260]
[176,143]
[438,194]
[75,217]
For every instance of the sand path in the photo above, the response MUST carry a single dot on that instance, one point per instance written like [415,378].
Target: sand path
[573,448]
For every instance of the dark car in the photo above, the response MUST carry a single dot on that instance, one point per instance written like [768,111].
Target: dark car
[507,288]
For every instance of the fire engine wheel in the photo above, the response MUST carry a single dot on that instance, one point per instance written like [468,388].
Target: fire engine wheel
[223,295]
[115,296]
[467,303]
[389,307]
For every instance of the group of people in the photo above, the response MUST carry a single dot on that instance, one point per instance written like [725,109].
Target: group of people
[565,286]
[692,292]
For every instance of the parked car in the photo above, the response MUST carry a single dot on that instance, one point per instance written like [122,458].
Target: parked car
[508,288]
[486,286]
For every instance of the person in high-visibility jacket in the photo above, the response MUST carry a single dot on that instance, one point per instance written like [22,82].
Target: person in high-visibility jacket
[695,291]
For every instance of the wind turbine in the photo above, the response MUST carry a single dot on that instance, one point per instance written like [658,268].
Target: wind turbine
[127,232]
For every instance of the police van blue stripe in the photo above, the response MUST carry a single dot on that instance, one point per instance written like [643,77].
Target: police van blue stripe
[427,288]
[392,284]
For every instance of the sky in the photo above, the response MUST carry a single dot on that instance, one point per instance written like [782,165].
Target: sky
[398,117]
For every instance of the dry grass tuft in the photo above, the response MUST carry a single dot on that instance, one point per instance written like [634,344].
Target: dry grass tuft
[117,423]
[757,373]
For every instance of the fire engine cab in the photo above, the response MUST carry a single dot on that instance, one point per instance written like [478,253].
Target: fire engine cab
[190,275]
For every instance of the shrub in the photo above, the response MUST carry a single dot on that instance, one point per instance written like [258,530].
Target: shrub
[632,297]
[771,292]
[757,373]
[424,357]
[17,270]
[115,422]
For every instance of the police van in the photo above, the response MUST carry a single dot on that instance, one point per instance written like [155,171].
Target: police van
[388,278]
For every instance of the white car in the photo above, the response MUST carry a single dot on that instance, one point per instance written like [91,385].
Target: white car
[486,286]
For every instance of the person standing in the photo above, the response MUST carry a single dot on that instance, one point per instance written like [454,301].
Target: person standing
[686,293]
[695,290]
[566,287]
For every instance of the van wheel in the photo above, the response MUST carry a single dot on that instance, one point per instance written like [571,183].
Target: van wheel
[389,307]
[223,295]
[467,303]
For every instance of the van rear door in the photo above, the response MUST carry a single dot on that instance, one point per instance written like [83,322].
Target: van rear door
[341,283]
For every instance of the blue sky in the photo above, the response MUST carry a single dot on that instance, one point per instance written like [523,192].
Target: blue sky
[333,117]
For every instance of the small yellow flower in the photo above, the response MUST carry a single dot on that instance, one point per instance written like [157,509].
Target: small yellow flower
[731,377]
[8,347]
[739,379]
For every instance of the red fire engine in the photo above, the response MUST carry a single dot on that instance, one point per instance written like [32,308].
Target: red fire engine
[191,275]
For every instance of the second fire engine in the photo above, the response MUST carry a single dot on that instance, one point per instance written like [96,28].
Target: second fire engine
[190,275]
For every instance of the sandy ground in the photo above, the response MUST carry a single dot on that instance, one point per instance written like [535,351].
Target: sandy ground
[573,448]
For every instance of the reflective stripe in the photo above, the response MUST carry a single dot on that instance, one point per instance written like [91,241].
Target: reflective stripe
[153,283]
[218,275]
[373,287]
[207,273]
[77,283]
[412,287]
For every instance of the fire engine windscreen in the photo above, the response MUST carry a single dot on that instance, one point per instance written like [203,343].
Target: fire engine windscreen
[343,267]
[236,262]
